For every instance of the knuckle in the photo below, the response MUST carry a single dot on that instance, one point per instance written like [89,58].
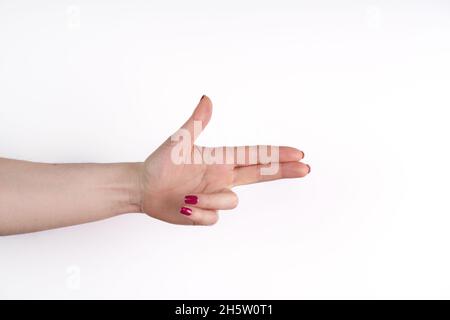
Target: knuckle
[212,220]
[234,201]
[207,220]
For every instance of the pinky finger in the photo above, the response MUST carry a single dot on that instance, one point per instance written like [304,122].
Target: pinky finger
[200,217]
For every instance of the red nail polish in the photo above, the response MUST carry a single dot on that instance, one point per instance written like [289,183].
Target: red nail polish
[190,199]
[186,211]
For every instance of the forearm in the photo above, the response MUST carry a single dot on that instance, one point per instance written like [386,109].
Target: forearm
[39,196]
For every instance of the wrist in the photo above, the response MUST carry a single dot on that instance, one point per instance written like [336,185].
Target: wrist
[125,187]
[132,187]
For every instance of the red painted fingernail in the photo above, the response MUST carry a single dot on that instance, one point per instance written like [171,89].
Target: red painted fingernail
[186,211]
[309,168]
[190,199]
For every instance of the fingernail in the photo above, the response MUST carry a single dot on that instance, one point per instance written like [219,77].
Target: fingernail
[202,97]
[190,199]
[309,168]
[186,211]
[303,154]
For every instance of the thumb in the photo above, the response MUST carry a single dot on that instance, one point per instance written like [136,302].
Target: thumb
[199,118]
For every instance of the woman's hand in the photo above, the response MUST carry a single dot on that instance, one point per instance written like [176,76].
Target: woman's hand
[178,183]
[191,192]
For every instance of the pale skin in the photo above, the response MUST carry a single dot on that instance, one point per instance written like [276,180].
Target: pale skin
[41,196]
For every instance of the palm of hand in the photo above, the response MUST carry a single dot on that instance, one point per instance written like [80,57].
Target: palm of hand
[166,184]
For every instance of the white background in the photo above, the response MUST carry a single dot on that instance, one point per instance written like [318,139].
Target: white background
[361,86]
